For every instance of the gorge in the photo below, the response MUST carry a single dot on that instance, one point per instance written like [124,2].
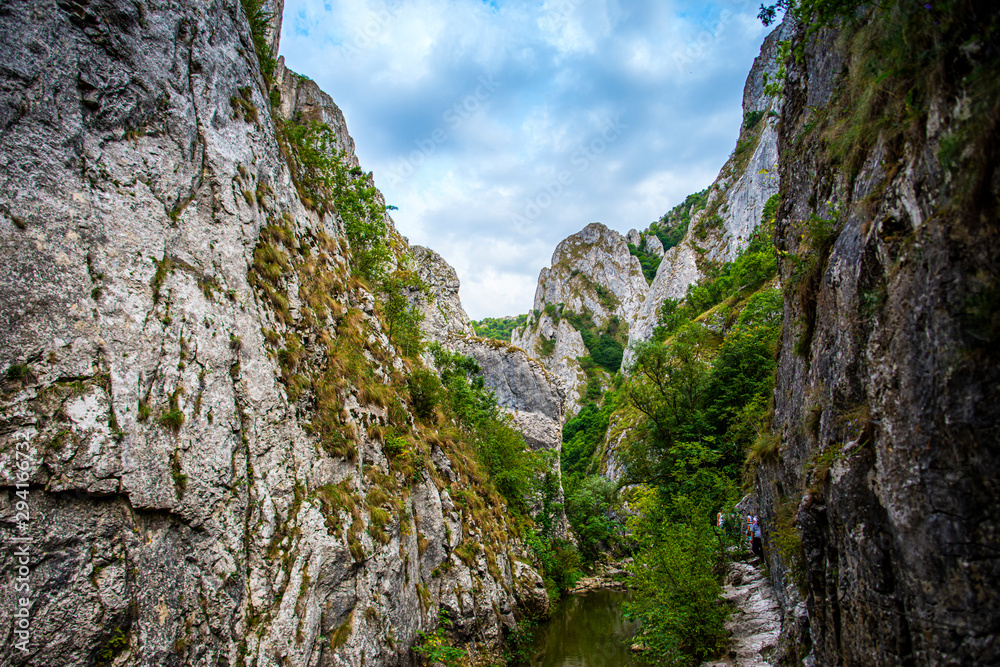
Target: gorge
[244,421]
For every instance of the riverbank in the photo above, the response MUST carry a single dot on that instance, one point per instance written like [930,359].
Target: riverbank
[755,622]
[610,576]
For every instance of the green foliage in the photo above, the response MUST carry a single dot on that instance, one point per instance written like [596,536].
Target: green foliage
[436,646]
[594,510]
[605,344]
[676,592]
[117,642]
[703,403]
[401,313]
[755,265]
[774,88]
[499,328]
[582,436]
[425,393]
[511,466]
[518,645]
[670,230]
[743,374]
[751,119]
[674,224]
[815,14]
[327,183]
[558,560]
[545,347]
[258,18]
[18,372]
[172,419]
[647,260]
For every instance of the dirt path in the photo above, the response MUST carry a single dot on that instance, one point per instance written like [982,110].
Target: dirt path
[756,621]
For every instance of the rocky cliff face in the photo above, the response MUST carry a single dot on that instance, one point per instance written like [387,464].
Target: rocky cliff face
[205,470]
[735,201]
[534,397]
[878,491]
[592,272]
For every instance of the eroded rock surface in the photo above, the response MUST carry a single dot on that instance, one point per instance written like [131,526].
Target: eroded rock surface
[187,504]
[886,400]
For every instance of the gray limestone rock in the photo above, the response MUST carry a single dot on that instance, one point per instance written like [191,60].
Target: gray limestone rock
[183,507]
[886,403]
[592,271]
[652,244]
[443,314]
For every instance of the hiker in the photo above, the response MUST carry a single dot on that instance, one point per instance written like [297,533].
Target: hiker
[755,544]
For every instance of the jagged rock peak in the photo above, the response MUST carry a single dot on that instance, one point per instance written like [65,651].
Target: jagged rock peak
[593,270]
[735,201]
[301,97]
[592,273]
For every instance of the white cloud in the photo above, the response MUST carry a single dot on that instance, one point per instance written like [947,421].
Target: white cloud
[463,161]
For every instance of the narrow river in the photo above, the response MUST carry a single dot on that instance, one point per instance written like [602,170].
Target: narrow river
[587,630]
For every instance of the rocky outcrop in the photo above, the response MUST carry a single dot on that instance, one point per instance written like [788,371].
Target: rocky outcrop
[592,272]
[534,397]
[879,503]
[444,315]
[201,484]
[736,199]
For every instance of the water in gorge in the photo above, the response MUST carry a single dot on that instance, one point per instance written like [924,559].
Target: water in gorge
[588,630]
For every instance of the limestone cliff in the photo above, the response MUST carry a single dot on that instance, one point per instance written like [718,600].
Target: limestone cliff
[593,274]
[534,397]
[877,489]
[198,396]
[592,271]
[735,200]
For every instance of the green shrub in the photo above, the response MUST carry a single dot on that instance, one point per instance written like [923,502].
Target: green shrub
[258,17]
[436,646]
[545,347]
[499,328]
[594,511]
[425,392]
[751,119]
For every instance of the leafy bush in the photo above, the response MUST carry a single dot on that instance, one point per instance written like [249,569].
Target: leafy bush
[559,562]
[676,592]
[582,437]
[594,511]
[751,119]
[436,646]
[259,18]
[327,182]
[425,390]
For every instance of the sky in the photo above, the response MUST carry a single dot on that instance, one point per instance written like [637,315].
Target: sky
[498,128]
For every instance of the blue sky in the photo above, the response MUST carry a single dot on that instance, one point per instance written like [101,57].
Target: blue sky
[501,127]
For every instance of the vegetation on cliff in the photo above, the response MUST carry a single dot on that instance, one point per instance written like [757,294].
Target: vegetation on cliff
[670,230]
[690,411]
[498,328]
